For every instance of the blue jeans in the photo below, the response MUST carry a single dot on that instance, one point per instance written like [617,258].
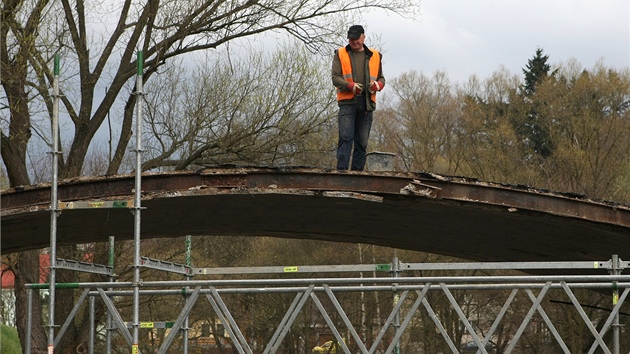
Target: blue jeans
[355,122]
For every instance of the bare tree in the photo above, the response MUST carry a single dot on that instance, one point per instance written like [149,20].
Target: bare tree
[420,121]
[260,110]
[99,41]
[490,146]
[586,114]
[162,30]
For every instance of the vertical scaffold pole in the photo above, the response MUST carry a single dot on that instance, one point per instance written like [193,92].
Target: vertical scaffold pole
[188,276]
[395,271]
[92,325]
[615,298]
[29,320]
[108,330]
[54,209]
[137,207]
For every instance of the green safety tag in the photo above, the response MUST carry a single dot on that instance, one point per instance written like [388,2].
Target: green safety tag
[383,267]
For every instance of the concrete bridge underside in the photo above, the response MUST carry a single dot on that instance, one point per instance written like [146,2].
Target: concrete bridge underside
[451,216]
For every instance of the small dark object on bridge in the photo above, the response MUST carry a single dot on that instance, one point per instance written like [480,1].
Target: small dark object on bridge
[380,161]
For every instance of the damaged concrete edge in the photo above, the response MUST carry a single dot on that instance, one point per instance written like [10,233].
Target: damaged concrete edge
[368,186]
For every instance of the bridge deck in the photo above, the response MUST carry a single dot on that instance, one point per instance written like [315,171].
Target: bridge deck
[444,215]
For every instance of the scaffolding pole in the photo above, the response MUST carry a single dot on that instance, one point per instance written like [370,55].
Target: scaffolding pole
[188,264]
[137,208]
[54,211]
[109,324]
[615,270]
[395,274]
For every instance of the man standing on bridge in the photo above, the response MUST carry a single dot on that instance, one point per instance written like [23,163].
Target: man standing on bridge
[357,73]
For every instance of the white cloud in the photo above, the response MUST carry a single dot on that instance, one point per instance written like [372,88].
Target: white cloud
[464,37]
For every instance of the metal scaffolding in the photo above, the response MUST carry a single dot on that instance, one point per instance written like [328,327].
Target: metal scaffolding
[411,296]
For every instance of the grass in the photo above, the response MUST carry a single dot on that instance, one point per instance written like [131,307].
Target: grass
[9,341]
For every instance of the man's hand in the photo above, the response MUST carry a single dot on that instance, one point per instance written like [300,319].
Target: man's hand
[375,86]
[356,88]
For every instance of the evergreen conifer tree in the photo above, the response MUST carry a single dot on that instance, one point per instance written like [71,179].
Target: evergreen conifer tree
[534,132]
[537,70]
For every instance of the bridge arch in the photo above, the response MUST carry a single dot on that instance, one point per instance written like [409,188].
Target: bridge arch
[452,216]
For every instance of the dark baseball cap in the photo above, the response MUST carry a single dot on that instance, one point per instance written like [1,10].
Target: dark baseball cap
[355,31]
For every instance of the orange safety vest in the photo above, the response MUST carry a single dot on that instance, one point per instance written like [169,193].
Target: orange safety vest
[346,72]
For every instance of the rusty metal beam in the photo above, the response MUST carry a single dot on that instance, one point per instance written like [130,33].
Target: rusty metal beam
[459,217]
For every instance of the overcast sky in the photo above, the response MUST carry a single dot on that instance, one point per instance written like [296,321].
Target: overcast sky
[465,37]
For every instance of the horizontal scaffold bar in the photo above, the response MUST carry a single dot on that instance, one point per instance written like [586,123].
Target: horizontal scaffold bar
[295,269]
[606,279]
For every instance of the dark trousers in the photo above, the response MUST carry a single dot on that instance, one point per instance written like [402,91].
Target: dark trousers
[355,122]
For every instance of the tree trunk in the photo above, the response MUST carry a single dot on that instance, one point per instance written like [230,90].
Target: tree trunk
[14,145]
[64,302]
[13,149]
[27,267]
